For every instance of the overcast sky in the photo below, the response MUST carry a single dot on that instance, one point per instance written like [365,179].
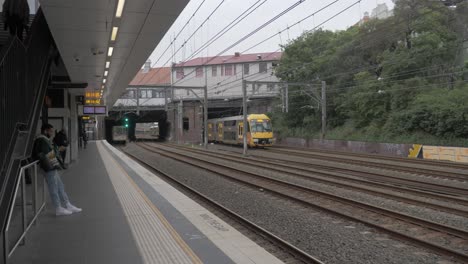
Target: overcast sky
[230,9]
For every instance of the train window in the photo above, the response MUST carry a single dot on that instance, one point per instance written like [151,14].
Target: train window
[229,123]
[264,126]
[186,123]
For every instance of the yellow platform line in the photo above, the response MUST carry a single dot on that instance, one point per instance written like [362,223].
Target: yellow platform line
[164,221]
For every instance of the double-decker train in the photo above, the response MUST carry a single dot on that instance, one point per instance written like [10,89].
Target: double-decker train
[230,130]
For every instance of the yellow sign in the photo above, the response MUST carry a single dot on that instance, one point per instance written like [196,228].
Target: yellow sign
[86,117]
[414,151]
[92,95]
[88,102]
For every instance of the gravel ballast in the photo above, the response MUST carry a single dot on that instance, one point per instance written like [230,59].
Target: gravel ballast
[331,239]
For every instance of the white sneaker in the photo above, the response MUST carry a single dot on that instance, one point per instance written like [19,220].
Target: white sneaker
[62,211]
[73,209]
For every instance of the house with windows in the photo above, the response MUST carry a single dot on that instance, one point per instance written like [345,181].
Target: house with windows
[223,75]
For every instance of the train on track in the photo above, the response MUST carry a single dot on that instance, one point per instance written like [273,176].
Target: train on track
[230,130]
[119,134]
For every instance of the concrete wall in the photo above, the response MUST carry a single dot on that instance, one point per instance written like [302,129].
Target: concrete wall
[445,153]
[401,150]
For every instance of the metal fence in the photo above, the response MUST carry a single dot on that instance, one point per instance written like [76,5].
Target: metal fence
[34,211]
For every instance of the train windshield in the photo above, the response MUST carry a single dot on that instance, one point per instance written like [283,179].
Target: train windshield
[260,126]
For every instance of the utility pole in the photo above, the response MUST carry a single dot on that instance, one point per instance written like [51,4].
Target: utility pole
[244,103]
[205,118]
[205,110]
[283,99]
[324,109]
[138,100]
[286,98]
[181,122]
[165,99]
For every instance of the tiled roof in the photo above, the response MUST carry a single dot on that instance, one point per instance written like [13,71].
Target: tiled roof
[242,58]
[155,76]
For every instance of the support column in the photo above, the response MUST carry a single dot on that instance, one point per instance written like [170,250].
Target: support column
[324,109]
[244,106]
[286,98]
[181,122]
[138,101]
[165,99]
[205,118]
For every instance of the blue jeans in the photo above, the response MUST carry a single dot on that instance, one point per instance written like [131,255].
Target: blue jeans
[56,189]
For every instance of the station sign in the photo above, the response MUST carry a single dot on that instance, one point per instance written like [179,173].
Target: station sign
[100,110]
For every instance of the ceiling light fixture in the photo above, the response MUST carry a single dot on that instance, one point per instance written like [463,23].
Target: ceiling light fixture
[115,30]
[107,64]
[104,81]
[105,73]
[111,50]
[120,7]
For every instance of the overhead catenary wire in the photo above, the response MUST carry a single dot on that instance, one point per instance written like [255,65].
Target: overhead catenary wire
[193,33]
[180,32]
[388,63]
[294,24]
[226,29]
[355,47]
[251,33]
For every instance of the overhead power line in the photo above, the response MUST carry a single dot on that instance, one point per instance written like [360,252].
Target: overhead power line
[194,32]
[231,25]
[295,24]
[252,33]
[180,32]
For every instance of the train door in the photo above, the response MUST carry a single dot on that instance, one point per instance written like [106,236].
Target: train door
[210,132]
[220,131]
[240,132]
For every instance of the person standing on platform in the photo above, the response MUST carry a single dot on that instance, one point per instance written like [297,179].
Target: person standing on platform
[61,141]
[50,162]
[85,138]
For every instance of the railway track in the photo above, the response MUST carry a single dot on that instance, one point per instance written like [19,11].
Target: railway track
[297,255]
[409,161]
[443,239]
[344,182]
[446,171]
[377,176]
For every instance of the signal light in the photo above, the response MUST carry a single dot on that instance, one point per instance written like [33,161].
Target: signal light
[126,122]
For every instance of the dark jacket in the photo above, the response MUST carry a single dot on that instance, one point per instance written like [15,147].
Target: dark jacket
[46,152]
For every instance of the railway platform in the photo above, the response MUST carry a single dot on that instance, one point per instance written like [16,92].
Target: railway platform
[130,215]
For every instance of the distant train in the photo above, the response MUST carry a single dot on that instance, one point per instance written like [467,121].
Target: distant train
[154,131]
[119,134]
[230,130]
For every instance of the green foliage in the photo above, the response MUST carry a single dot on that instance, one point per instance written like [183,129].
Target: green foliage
[443,113]
[387,77]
